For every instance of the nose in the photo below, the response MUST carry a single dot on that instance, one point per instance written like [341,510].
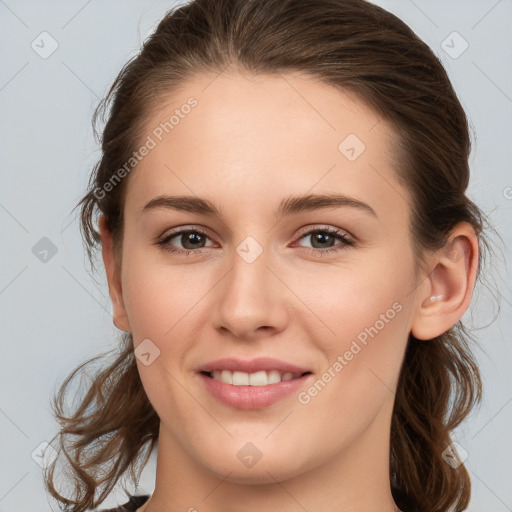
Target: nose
[251,301]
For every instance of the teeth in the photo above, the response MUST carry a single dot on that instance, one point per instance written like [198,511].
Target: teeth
[261,378]
[226,376]
[240,379]
[257,379]
[273,377]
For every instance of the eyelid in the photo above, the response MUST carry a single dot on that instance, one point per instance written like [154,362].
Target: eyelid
[181,229]
[331,229]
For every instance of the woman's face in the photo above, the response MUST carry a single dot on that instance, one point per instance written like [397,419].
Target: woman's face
[323,285]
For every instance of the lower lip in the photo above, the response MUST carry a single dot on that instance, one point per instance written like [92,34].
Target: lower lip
[252,397]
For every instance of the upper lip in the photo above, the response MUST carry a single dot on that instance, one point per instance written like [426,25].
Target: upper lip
[251,366]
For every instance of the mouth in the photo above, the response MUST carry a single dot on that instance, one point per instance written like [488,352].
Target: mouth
[254,384]
[259,378]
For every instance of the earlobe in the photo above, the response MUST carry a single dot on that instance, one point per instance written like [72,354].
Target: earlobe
[431,300]
[447,290]
[113,273]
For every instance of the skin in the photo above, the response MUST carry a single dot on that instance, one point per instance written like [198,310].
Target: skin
[251,142]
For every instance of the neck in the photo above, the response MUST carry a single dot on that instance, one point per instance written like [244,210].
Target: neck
[353,480]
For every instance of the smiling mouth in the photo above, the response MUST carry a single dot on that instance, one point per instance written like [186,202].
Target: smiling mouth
[260,378]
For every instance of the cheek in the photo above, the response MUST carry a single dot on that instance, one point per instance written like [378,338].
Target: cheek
[362,361]
[371,316]
[347,301]
[157,297]
[368,318]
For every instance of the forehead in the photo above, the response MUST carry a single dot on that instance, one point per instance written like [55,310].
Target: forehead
[255,139]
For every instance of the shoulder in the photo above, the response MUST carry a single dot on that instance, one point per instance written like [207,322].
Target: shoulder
[130,506]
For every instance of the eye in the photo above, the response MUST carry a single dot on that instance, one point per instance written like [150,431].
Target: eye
[327,236]
[193,241]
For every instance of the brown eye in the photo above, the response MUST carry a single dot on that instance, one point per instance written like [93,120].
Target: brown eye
[191,240]
[324,240]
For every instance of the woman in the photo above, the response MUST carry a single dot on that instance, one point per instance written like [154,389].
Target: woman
[289,251]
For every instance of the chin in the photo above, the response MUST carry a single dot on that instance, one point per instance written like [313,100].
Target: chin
[262,469]
[257,475]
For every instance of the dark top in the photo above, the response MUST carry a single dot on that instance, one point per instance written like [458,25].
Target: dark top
[130,506]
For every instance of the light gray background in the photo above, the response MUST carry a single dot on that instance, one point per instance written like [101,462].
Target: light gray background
[54,316]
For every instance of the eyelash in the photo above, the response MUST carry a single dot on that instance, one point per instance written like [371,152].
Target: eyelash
[347,242]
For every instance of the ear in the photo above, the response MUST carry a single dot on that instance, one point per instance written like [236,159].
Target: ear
[120,318]
[446,291]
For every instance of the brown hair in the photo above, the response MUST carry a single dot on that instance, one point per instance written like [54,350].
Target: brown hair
[355,46]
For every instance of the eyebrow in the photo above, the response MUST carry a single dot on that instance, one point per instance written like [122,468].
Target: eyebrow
[288,206]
